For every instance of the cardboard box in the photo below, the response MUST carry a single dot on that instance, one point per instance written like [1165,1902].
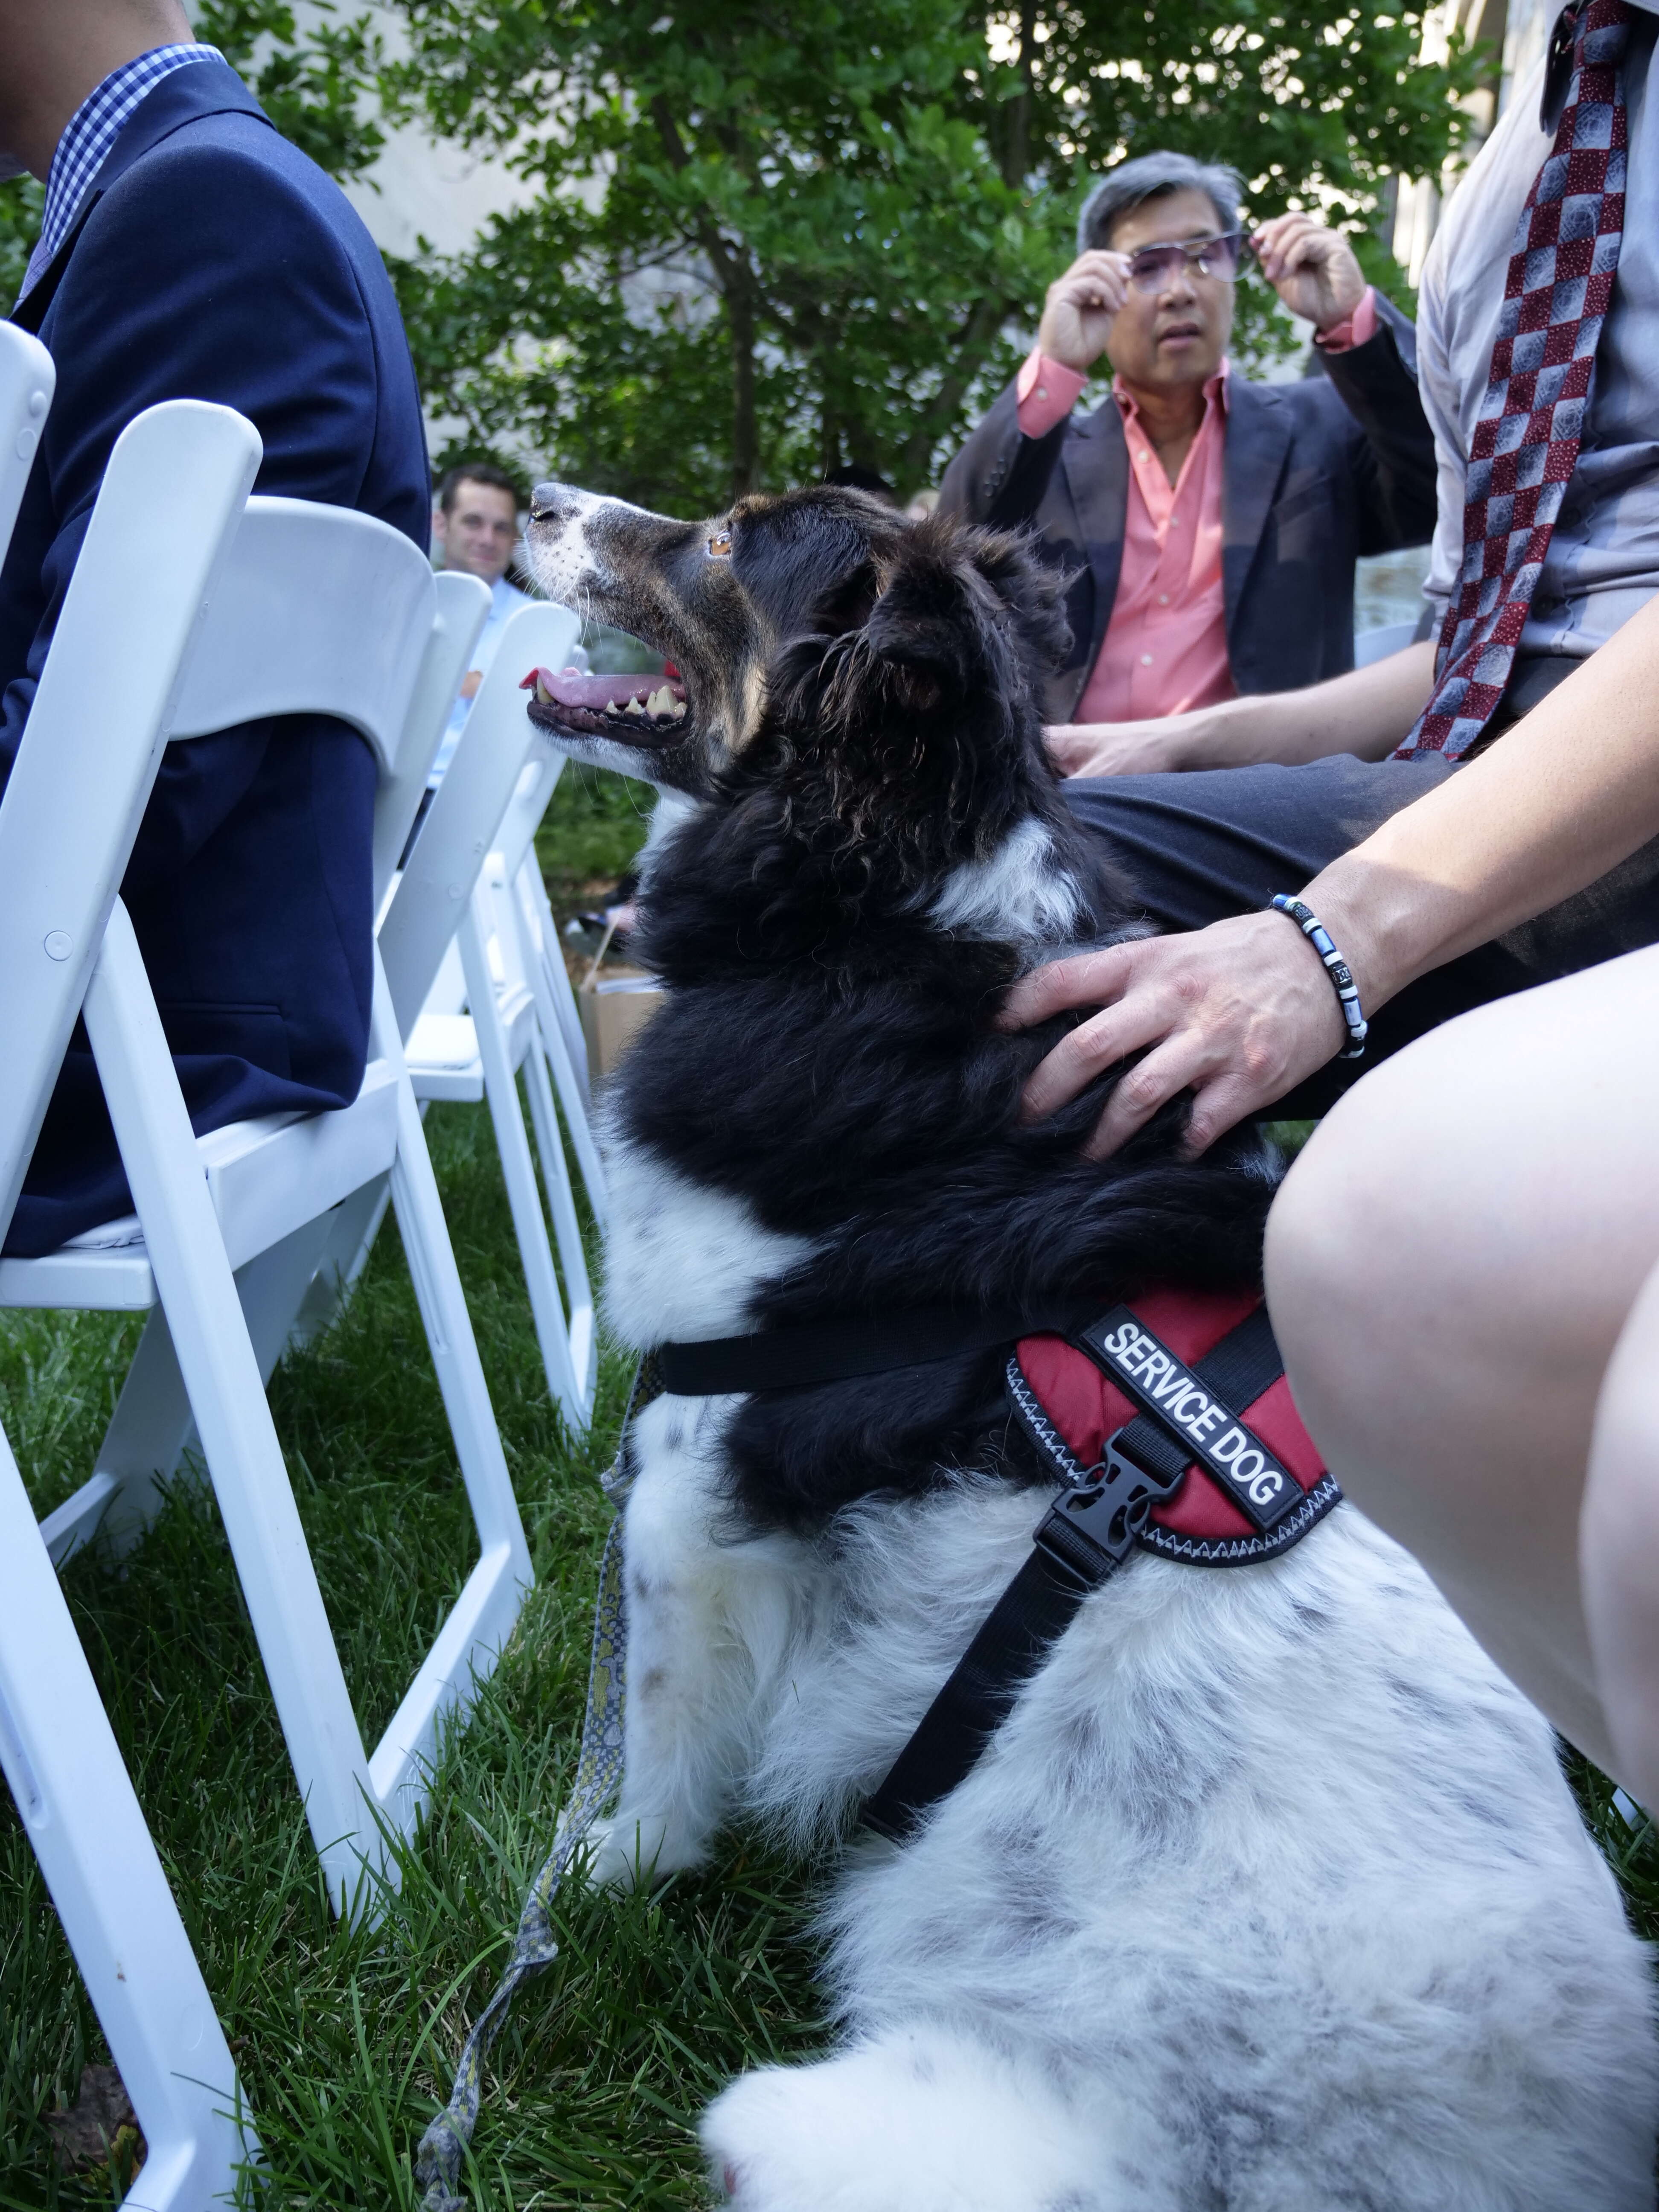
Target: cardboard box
[616,1003]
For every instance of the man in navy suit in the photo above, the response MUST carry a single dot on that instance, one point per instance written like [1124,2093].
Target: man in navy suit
[189,252]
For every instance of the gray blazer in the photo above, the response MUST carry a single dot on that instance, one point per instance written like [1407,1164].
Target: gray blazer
[1316,473]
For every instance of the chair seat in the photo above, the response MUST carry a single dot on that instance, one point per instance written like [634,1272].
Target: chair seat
[267,1177]
[444,1060]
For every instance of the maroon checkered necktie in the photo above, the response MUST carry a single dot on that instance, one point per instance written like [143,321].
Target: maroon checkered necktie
[1533,416]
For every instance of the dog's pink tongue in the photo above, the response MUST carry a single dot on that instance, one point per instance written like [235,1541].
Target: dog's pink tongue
[571,688]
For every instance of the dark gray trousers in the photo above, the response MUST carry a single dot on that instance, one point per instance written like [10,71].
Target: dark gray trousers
[1223,841]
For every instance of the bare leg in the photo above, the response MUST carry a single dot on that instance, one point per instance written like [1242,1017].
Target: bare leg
[1449,1267]
[1619,1535]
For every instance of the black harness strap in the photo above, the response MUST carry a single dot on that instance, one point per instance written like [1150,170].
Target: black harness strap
[1195,1405]
[839,1350]
[1082,1540]
[1026,1621]
[1102,1513]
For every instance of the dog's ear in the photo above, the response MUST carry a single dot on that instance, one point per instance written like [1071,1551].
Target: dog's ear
[908,718]
[1033,592]
[943,611]
[848,604]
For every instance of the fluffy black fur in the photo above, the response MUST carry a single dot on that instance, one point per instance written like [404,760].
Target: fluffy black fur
[830,1053]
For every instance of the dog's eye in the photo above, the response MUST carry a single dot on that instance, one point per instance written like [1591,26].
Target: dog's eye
[720,545]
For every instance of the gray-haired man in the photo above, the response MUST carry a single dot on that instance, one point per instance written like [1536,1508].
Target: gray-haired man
[1213,522]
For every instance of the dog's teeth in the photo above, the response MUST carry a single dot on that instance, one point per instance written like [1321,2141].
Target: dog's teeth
[633,708]
[660,701]
[676,708]
[544,696]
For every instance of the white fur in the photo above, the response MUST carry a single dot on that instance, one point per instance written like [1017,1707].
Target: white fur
[1268,1896]
[683,1261]
[566,566]
[670,813]
[922,2121]
[1020,896]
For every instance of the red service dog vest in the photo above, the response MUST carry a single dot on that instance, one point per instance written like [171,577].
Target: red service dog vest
[1074,1402]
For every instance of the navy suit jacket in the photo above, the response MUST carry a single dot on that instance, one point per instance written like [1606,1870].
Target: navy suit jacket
[1314,474]
[212,260]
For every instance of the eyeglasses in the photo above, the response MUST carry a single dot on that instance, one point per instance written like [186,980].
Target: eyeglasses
[1222,258]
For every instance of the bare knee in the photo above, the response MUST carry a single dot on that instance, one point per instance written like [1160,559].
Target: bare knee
[1347,1257]
[1619,1548]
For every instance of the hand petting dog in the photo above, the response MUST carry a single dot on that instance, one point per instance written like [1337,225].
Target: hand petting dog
[1237,1014]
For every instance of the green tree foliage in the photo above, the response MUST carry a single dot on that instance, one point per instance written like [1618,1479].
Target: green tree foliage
[20,226]
[318,87]
[760,240]
[760,237]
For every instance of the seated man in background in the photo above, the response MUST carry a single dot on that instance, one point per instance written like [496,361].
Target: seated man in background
[1214,523]
[476,528]
[1464,822]
[188,251]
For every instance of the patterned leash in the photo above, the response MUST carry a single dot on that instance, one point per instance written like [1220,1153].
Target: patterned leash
[598,1770]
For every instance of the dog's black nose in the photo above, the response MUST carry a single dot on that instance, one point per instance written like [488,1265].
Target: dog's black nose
[543,501]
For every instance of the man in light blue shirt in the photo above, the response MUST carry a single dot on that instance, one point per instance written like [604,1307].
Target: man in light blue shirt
[476,530]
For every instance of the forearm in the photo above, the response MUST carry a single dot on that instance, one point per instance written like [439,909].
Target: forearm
[1367,711]
[1562,797]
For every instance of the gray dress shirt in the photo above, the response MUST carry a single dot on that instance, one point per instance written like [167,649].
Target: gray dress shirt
[1603,561]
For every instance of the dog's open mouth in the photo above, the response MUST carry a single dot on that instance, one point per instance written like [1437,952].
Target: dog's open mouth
[636,710]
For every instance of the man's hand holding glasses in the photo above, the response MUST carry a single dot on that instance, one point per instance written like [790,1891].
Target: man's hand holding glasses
[1312,270]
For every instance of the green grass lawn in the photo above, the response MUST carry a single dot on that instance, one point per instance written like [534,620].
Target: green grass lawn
[345,2041]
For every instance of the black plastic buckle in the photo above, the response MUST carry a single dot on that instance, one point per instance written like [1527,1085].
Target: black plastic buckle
[1090,1531]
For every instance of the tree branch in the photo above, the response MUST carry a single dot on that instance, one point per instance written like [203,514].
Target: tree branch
[980,329]
[735,280]
[1017,126]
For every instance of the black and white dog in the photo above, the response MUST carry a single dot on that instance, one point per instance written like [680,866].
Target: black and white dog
[1269,1895]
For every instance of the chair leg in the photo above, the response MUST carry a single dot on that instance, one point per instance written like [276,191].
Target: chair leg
[152,1433]
[561,1026]
[144,1446]
[481,1620]
[222,1376]
[356,1222]
[567,1230]
[76,1803]
[581,1129]
[541,942]
[519,1172]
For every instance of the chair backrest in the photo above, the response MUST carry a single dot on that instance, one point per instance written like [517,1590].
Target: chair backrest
[460,830]
[463,605]
[319,611]
[26,381]
[531,796]
[159,532]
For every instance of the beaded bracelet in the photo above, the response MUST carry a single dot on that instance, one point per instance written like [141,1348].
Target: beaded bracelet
[1347,995]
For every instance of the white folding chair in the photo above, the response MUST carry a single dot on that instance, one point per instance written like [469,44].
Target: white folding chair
[558,1022]
[460,931]
[518,907]
[59,1756]
[307,610]
[78,1809]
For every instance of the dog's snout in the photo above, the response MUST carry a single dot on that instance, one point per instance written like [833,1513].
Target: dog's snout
[545,502]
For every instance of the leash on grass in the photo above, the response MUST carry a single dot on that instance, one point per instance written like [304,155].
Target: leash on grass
[599,1769]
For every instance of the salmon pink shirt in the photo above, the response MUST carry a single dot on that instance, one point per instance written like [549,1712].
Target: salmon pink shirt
[1165,647]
